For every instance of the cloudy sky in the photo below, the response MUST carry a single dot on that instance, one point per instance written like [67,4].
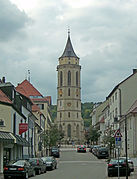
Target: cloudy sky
[33,34]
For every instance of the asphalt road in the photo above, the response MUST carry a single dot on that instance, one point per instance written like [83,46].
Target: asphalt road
[73,165]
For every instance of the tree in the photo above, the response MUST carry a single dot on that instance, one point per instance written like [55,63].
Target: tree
[52,136]
[109,140]
[94,134]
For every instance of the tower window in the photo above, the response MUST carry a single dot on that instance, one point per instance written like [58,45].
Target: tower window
[69,78]
[61,78]
[60,103]
[60,115]
[69,130]
[77,104]
[77,92]
[77,78]
[69,92]
[68,114]
[77,115]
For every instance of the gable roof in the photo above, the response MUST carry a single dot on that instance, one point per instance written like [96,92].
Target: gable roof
[114,89]
[27,89]
[4,98]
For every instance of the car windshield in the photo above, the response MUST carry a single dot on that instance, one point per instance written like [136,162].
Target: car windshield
[116,161]
[48,159]
[54,150]
[17,163]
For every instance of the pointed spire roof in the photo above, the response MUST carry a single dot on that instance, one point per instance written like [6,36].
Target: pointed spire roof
[69,52]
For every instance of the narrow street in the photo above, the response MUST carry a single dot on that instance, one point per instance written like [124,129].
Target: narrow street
[73,165]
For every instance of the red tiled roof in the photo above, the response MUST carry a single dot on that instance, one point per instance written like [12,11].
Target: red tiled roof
[27,89]
[102,120]
[47,98]
[4,98]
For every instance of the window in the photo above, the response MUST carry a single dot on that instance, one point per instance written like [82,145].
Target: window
[77,78]
[14,123]
[1,122]
[61,78]
[41,106]
[69,78]
[69,130]
[77,104]
[116,96]
[68,114]
[77,92]
[77,115]
[60,115]
[60,103]
[69,92]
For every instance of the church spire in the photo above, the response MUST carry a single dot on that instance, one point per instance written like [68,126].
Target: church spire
[69,52]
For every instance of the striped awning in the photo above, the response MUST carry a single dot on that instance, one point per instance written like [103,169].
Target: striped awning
[21,141]
[6,137]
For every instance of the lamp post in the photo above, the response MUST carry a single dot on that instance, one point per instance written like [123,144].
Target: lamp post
[126,147]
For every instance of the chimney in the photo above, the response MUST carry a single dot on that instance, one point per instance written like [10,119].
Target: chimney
[3,79]
[134,70]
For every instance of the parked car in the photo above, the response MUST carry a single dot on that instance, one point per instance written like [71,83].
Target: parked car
[55,152]
[95,149]
[38,165]
[20,168]
[51,162]
[81,148]
[113,168]
[102,152]
[130,163]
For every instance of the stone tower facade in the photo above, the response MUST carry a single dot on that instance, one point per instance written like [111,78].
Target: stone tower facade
[69,119]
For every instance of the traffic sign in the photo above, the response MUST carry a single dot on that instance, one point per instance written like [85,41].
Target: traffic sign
[117,142]
[118,134]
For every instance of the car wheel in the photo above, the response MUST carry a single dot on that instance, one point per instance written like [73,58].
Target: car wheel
[5,177]
[39,172]
[34,173]
[109,175]
[26,176]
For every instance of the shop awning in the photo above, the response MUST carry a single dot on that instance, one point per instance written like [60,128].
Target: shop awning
[21,141]
[6,137]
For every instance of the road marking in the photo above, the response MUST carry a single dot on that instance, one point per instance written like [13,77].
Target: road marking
[97,162]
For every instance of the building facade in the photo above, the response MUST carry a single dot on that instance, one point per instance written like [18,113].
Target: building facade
[69,119]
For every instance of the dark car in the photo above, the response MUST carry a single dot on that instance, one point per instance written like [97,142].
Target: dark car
[51,162]
[20,168]
[55,152]
[113,168]
[102,152]
[38,165]
[130,163]
[81,148]
[95,149]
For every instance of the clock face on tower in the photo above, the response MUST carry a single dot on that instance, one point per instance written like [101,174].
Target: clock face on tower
[69,104]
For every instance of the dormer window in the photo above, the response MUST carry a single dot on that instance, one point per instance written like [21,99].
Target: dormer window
[1,122]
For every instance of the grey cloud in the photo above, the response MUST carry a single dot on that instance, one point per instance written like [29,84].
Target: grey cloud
[12,20]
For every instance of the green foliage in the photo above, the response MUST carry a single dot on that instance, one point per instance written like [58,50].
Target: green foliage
[52,136]
[109,139]
[53,111]
[86,109]
[94,134]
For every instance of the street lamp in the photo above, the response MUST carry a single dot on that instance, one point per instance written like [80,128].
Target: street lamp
[126,147]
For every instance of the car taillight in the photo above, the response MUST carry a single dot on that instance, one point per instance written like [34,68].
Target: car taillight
[124,164]
[37,162]
[110,165]
[84,148]
[5,168]
[21,169]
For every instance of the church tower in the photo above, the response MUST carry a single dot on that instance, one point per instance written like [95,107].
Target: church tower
[69,119]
